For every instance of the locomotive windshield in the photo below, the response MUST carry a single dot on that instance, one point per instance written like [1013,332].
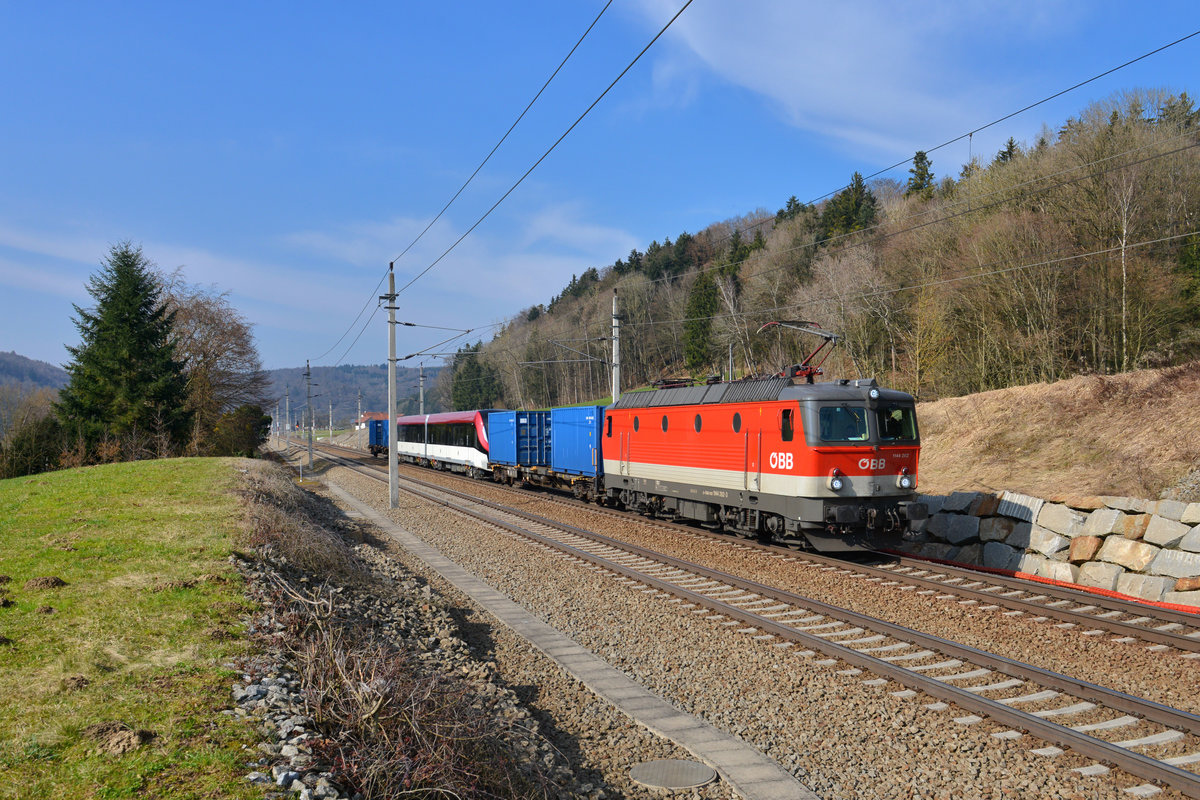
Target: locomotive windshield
[896,422]
[843,424]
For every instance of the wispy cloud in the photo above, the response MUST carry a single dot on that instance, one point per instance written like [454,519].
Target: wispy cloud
[911,82]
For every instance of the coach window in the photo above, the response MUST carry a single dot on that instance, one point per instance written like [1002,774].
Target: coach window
[737,423]
[635,424]
[697,423]
[788,430]
[664,423]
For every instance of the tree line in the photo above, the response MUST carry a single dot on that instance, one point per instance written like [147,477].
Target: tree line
[1076,253]
[163,368]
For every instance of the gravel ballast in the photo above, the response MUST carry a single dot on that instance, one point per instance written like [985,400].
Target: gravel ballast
[839,737]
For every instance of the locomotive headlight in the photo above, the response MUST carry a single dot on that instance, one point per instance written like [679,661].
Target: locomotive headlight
[873,394]
[905,480]
[837,481]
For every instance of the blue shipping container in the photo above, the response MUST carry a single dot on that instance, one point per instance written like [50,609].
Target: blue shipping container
[377,434]
[575,448]
[519,438]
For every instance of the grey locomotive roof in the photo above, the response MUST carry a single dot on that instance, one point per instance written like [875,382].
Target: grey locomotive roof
[766,389]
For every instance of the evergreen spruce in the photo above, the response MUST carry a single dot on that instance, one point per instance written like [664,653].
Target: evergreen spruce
[125,382]
[921,182]
[702,304]
[851,209]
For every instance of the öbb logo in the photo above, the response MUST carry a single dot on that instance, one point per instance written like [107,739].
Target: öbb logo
[781,461]
[871,463]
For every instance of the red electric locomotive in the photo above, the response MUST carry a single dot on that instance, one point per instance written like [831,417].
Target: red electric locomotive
[832,462]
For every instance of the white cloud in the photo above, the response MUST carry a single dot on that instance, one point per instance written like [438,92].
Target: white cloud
[880,75]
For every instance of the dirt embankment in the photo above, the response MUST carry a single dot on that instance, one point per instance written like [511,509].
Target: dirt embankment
[1135,434]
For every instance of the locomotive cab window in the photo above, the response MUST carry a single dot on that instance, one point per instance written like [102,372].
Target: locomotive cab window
[786,425]
[896,422]
[843,424]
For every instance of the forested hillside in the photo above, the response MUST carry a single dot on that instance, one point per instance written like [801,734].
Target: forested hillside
[341,386]
[1075,253]
[29,373]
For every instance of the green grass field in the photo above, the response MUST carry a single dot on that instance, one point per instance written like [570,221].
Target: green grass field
[136,636]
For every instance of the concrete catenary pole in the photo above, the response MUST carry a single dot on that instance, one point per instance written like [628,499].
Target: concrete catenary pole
[422,374]
[393,445]
[287,413]
[331,422]
[616,352]
[358,423]
[312,418]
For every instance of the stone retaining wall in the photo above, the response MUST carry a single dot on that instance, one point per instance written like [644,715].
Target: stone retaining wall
[1144,548]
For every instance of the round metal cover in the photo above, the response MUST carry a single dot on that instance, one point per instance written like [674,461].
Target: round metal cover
[672,773]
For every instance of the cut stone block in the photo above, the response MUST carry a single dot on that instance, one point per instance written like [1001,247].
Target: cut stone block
[1191,542]
[933,502]
[1133,526]
[1021,535]
[1183,598]
[962,529]
[1030,563]
[938,525]
[971,554]
[1131,504]
[1191,514]
[1061,519]
[1187,584]
[1129,554]
[999,556]
[1046,542]
[1084,548]
[1176,564]
[1020,506]
[1060,571]
[936,550]
[985,505]
[1080,501]
[996,529]
[1104,521]
[1171,509]
[1165,532]
[1147,587]
[1100,575]
[959,502]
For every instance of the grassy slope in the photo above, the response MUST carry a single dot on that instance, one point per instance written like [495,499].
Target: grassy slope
[1133,434]
[130,541]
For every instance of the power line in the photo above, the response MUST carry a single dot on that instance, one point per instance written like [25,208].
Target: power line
[506,133]
[520,180]
[487,158]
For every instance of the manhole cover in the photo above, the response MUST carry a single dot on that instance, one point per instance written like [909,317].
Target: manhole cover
[672,773]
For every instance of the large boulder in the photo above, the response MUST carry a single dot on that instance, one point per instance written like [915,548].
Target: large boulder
[1061,519]
[1060,571]
[1165,532]
[1104,521]
[1046,542]
[1084,548]
[1175,564]
[1020,506]
[997,555]
[1100,575]
[962,529]
[1147,587]
[1129,554]
[996,529]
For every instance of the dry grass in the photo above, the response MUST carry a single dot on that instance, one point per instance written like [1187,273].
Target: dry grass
[1134,434]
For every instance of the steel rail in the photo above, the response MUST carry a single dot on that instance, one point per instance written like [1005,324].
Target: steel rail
[1135,763]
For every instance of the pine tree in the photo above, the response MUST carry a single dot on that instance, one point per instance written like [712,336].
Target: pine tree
[125,381]
[921,182]
[851,209]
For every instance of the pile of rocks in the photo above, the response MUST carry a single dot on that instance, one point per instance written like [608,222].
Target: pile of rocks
[397,607]
[1149,549]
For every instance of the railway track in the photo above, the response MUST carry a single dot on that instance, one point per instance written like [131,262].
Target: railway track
[1159,629]
[1146,739]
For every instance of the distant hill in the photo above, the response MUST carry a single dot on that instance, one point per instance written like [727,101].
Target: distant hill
[29,373]
[342,384]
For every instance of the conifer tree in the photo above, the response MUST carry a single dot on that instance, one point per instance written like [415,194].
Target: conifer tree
[851,209]
[125,381]
[702,304]
[921,182]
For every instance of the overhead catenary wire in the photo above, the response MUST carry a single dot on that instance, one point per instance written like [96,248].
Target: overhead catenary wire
[551,149]
[487,158]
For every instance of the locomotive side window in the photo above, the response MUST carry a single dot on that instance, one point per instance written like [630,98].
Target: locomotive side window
[609,434]
[737,423]
[896,422]
[843,424]
[787,426]
[697,423]
[635,424]
[664,423]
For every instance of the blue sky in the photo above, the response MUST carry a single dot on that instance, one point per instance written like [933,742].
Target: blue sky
[286,152]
